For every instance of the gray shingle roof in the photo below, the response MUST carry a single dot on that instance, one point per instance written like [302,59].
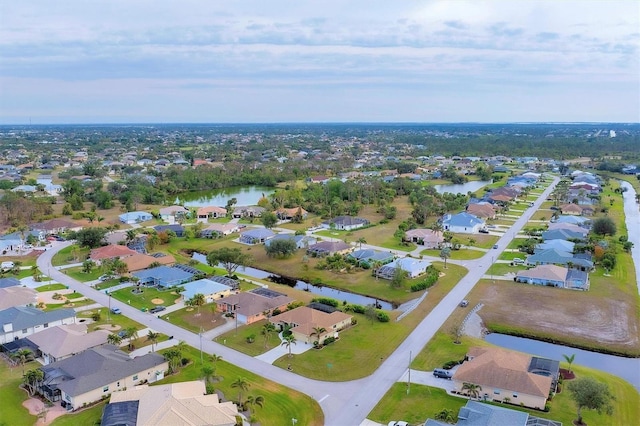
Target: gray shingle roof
[26,317]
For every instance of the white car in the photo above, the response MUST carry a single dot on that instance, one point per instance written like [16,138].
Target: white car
[398,423]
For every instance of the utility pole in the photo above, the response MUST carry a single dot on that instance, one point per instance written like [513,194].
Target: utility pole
[236,315]
[200,334]
[409,381]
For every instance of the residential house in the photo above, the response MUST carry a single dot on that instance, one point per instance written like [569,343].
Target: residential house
[559,245]
[568,227]
[370,257]
[12,296]
[328,248]
[248,211]
[476,413]
[575,220]
[140,261]
[345,223]
[163,276]
[562,234]
[429,238]
[20,321]
[64,341]
[9,281]
[211,212]
[523,379]
[413,267]
[463,223]
[211,290]
[571,208]
[183,403]
[96,373]
[288,214]
[482,210]
[302,241]
[173,213]
[175,228]
[131,218]
[219,230]
[557,257]
[554,276]
[306,323]
[56,226]
[254,305]
[256,236]
[112,251]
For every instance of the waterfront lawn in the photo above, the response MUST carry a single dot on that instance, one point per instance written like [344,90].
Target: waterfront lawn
[12,412]
[281,404]
[144,299]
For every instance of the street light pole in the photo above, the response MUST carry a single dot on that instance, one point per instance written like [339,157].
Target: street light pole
[236,315]
[200,334]
[409,381]
[109,311]
[492,269]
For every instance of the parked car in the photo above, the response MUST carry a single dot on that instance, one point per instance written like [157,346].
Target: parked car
[483,231]
[106,277]
[495,246]
[464,303]
[442,374]
[116,311]
[157,309]
[518,261]
[398,423]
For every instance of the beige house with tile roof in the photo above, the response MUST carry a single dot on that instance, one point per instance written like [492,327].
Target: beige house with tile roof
[250,307]
[427,237]
[184,403]
[112,251]
[17,296]
[304,321]
[505,374]
[140,261]
[211,211]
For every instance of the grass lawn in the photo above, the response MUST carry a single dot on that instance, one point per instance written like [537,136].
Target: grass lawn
[119,321]
[12,412]
[78,274]
[69,304]
[71,254]
[144,299]
[51,287]
[353,356]
[281,404]
[456,254]
[239,341]
[88,416]
[510,255]
[482,240]
[189,319]
[504,269]
[107,284]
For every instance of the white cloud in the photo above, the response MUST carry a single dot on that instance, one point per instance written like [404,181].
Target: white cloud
[315,49]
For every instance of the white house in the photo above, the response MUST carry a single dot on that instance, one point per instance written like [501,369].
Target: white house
[463,223]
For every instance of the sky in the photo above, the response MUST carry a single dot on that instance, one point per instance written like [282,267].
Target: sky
[211,61]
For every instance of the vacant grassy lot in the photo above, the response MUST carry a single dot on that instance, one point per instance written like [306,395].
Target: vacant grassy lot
[504,269]
[144,299]
[115,323]
[71,254]
[51,287]
[78,274]
[190,319]
[462,254]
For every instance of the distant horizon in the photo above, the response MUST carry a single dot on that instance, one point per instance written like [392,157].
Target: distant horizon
[249,123]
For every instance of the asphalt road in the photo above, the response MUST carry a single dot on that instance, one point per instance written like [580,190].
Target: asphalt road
[343,403]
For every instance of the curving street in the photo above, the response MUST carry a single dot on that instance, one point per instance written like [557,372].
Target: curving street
[343,403]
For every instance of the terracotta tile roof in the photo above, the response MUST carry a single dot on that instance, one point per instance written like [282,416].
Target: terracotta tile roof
[111,251]
[502,369]
[141,261]
[308,318]
[211,209]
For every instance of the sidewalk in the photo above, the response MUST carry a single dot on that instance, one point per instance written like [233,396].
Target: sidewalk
[280,351]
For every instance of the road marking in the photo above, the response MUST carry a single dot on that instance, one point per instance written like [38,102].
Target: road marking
[323,398]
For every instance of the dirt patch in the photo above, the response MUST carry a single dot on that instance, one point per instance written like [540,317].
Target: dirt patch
[205,319]
[46,415]
[157,301]
[573,317]
[109,327]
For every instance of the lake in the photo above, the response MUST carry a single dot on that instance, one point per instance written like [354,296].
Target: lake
[462,188]
[626,368]
[245,196]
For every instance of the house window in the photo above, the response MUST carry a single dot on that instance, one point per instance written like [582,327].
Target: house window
[105,389]
[24,331]
[67,398]
[135,377]
[46,325]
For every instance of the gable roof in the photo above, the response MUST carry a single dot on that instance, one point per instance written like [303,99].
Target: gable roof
[141,261]
[250,303]
[428,235]
[25,317]
[97,367]
[462,219]
[202,211]
[9,282]
[68,339]
[485,210]
[203,286]
[183,403]
[258,233]
[329,247]
[307,318]
[502,369]
[165,273]
[545,272]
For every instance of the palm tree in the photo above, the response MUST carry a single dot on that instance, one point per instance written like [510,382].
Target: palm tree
[288,341]
[376,264]
[317,331]
[153,338]
[267,331]
[114,339]
[215,358]
[445,253]
[243,385]
[472,389]
[22,356]
[446,415]
[569,359]
[198,300]
[131,334]
[255,400]
[362,241]
[208,373]
[173,356]
[31,380]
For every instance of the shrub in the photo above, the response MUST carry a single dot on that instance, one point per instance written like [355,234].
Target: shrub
[329,340]
[185,361]
[96,316]
[251,338]
[358,309]
[382,316]
[432,275]
[354,321]
[326,301]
